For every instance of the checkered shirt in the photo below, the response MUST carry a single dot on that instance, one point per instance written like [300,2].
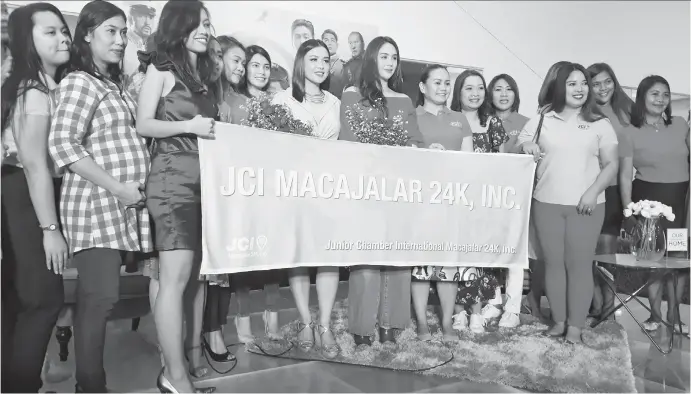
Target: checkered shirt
[94,118]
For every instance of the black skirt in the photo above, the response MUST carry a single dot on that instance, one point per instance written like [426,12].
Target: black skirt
[614,211]
[671,194]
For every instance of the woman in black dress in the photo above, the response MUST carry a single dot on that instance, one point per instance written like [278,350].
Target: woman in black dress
[175,109]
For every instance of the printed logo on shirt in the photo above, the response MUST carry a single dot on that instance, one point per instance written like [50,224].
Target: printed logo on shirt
[436,146]
[514,133]
[456,124]
[584,126]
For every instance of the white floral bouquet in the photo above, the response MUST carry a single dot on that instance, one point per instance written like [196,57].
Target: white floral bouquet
[649,210]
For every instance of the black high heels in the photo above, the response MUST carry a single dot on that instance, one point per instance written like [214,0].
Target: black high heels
[219,358]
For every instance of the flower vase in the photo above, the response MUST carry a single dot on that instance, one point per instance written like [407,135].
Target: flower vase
[648,240]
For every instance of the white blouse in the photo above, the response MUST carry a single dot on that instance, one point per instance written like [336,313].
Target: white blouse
[326,127]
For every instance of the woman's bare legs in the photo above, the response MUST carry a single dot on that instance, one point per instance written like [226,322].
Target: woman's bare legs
[537,287]
[327,286]
[154,286]
[300,287]
[603,298]
[420,292]
[447,298]
[175,269]
[194,297]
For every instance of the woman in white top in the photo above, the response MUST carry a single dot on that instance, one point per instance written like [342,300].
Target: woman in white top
[35,250]
[310,102]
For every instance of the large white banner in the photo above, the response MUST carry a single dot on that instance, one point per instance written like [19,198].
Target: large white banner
[275,200]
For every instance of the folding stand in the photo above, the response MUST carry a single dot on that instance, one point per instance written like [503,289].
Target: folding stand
[659,271]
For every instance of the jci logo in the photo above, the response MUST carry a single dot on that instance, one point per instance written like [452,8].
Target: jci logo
[245,244]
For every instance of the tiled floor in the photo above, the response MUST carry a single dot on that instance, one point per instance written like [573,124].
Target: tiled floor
[132,364]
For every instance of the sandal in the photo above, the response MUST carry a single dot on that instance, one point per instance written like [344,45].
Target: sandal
[305,345]
[199,371]
[328,351]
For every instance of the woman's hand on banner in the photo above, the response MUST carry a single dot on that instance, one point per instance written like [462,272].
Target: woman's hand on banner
[202,127]
[531,148]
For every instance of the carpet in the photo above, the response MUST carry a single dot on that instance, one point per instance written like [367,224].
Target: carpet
[520,357]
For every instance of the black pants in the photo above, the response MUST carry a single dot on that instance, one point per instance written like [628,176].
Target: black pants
[216,309]
[32,295]
[98,289]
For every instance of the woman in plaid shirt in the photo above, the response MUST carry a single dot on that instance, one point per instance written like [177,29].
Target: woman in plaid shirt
[93,138]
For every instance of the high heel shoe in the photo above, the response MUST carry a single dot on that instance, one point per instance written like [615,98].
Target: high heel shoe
[196,372]
[164,386]
[218,357]
[328,351]
[304,345]
[274,336]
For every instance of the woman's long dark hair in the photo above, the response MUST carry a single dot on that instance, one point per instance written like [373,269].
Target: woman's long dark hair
[92,16]
[638,110]
[548,84]
[249,54]
[227,43]
[370,84]
[557,102]
[206,68]
[26,69]
[179,18]
[620,101]
[423,79]
[514,87]
[299,69]
[485,109]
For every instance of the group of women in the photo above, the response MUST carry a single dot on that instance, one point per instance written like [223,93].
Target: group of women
[91,173]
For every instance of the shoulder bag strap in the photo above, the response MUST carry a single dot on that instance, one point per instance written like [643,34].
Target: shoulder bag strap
[536,138]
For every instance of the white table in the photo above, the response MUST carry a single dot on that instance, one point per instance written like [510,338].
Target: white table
[667,266]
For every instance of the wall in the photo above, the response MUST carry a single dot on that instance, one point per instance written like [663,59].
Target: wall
[636,38]
[435,31]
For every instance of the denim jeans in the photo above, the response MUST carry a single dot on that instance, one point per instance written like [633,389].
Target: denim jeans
[378,295]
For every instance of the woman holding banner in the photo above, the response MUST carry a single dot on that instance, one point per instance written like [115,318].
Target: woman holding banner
[379,291]
[505,101]
[175,109]
[576,148]
[442,129]
[310,102]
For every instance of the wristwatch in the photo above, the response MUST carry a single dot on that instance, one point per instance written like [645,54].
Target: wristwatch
[50,227]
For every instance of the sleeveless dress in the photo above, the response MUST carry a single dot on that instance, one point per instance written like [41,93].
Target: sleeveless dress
[173,189]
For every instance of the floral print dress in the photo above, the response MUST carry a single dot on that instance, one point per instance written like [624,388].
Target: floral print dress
[492,139]
[475,285]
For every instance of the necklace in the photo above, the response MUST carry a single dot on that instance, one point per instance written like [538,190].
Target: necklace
[656,124]
[316,98]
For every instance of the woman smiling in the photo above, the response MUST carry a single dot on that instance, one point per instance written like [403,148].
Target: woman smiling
[576,148]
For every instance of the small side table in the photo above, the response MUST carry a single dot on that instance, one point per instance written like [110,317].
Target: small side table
[659,270]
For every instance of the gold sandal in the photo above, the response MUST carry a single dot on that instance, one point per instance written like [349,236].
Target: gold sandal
[305,346]
[328,351]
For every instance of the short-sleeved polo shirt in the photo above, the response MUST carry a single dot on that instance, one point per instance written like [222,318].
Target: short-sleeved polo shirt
[444,131]
[660,153]
[571,160]
[513,124]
